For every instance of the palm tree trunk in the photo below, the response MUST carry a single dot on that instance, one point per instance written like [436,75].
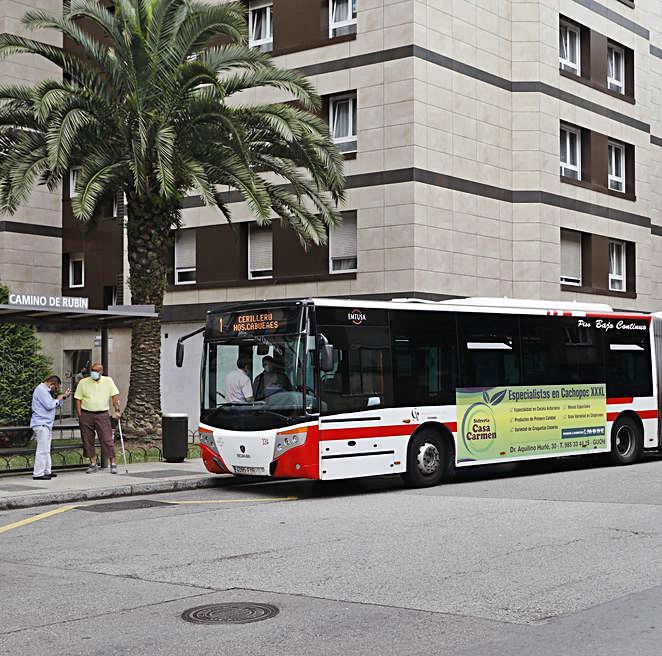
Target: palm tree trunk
[149,238]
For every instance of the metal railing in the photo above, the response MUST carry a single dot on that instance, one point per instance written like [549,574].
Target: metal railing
[72,457]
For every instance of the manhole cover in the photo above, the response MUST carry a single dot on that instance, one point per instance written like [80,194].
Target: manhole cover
[232,613]
[133,504]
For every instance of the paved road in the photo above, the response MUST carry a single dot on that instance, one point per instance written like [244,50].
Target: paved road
[560,558]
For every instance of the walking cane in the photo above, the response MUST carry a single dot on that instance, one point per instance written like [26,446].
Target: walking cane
[119,425]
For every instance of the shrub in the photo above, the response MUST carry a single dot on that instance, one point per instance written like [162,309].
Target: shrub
[22,368]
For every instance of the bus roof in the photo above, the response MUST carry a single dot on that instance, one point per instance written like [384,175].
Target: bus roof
[484,304]
[487,305]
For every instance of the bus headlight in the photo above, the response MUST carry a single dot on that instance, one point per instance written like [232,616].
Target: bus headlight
[288,440]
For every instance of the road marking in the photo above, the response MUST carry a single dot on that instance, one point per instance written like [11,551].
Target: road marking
[35,518]
[183,503]
[57,511]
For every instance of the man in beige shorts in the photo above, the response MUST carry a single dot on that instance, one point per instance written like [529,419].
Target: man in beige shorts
[93,395]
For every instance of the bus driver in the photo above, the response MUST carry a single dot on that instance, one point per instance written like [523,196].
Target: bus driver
[270,381]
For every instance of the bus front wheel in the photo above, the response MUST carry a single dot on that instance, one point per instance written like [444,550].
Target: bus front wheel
[626,441]
[427,459]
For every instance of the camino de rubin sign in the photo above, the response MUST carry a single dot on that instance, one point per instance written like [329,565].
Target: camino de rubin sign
[37,300]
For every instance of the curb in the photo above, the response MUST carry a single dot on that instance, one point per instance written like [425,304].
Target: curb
[131,489]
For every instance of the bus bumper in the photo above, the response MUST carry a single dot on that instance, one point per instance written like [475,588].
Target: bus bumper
[291,453]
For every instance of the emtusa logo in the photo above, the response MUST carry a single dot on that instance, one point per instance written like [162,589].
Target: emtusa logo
[356,317]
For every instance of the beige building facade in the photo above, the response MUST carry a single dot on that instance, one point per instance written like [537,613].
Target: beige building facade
[493,148]
[31,240]
[455,183]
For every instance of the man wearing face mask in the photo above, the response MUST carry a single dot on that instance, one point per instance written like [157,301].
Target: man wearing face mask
[92,404]
[270,381]
[44,403]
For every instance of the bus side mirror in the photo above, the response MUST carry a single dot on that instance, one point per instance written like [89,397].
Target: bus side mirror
[326,354]
[179,354]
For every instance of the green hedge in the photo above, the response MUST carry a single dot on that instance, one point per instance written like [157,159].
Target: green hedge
[22,368]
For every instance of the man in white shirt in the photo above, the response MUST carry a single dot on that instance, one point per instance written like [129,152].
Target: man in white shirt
[238,386]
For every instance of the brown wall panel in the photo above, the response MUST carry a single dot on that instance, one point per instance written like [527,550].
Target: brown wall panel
[599,164]
[629,169]
[585,48]
[598,61]
[290,259]
[102,248]
[630,267]
[586,153]
[298,24]
[600,262]
[221,253]
[587,258]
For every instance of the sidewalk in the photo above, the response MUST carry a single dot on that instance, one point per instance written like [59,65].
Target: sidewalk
[20,491]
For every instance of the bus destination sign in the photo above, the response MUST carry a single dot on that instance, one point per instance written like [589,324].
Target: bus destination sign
[251,323]
[255,322]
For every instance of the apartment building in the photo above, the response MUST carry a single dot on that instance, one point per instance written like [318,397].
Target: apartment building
[44,250]
[31,240]
[493,148]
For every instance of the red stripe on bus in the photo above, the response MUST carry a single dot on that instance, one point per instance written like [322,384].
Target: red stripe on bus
[643,414]
[620,401]
[375,431]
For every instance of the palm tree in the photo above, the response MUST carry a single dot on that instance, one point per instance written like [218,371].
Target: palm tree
[154,110]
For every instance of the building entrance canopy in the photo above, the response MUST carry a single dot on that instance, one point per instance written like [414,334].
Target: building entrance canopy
[63,319]
[75,318]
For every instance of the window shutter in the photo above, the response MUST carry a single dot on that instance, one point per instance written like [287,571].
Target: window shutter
[261,250]
[571,255]
[343,244]
[185,249]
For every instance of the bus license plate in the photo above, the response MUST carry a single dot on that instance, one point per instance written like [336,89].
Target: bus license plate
[248,470]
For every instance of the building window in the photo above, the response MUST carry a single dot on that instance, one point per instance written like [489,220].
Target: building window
[342,17]
[342,246]
[185,257]
[260,25]
[73,181]
[571,257]
[260,252]
[616,69]
[616,266]
[342,120]
[569,48]
[616,167]
[571,165]
[76,271]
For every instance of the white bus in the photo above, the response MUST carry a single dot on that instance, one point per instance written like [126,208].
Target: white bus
[338,389]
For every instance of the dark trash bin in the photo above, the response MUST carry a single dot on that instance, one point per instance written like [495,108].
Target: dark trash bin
[174,433]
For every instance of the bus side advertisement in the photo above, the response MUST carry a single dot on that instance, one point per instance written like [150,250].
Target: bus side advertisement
[501,423]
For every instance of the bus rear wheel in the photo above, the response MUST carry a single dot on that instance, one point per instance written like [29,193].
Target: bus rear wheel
[626,441]
[427,459]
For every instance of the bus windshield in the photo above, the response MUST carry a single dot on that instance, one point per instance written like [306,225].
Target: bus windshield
[257,371]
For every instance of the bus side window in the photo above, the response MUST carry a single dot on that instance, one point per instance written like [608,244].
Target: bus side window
[490,349]
[361,377]
[424,358]
[558,350]
[628,359]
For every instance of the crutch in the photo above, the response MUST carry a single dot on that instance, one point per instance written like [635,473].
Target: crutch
[119,425]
